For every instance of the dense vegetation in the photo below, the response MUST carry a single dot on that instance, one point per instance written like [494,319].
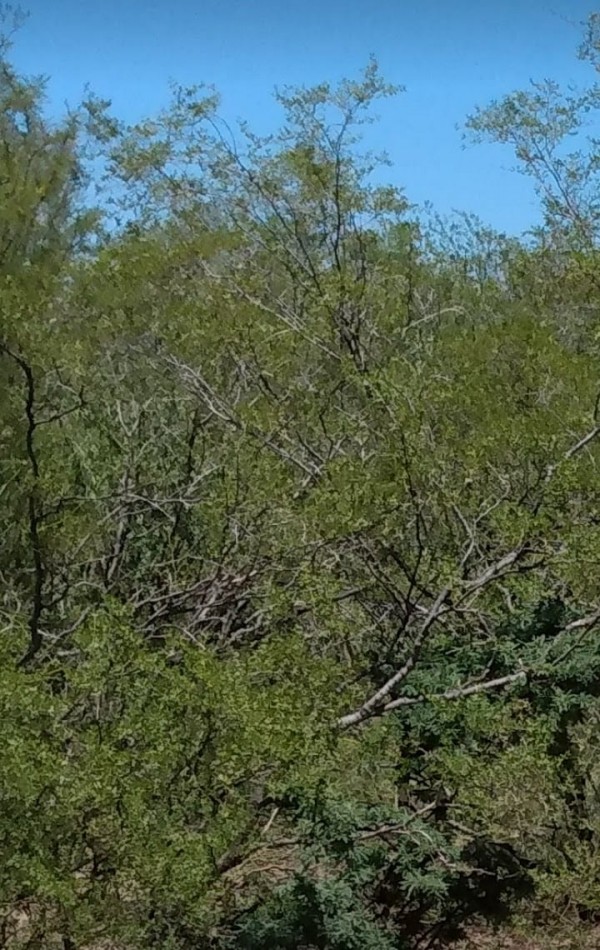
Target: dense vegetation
[300,585]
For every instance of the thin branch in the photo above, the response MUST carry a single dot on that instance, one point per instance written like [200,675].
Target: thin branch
[372,706]
[33,509]
[574,450]
[459,692]
[376,704]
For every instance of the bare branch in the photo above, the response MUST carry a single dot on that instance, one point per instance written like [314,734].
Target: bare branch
[573,450]
[376,704]
[458,692]
[373,705]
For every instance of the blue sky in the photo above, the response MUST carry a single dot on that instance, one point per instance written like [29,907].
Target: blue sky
[449,56]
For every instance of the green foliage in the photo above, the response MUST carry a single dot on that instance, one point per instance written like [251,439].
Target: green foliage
[300,535]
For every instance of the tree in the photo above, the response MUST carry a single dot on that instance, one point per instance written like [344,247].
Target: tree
[301,529]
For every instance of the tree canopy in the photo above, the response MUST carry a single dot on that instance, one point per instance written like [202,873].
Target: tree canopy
[301,532]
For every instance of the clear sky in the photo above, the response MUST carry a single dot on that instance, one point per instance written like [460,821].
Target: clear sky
[450,56]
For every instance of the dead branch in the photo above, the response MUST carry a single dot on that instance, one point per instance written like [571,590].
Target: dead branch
[458,692]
